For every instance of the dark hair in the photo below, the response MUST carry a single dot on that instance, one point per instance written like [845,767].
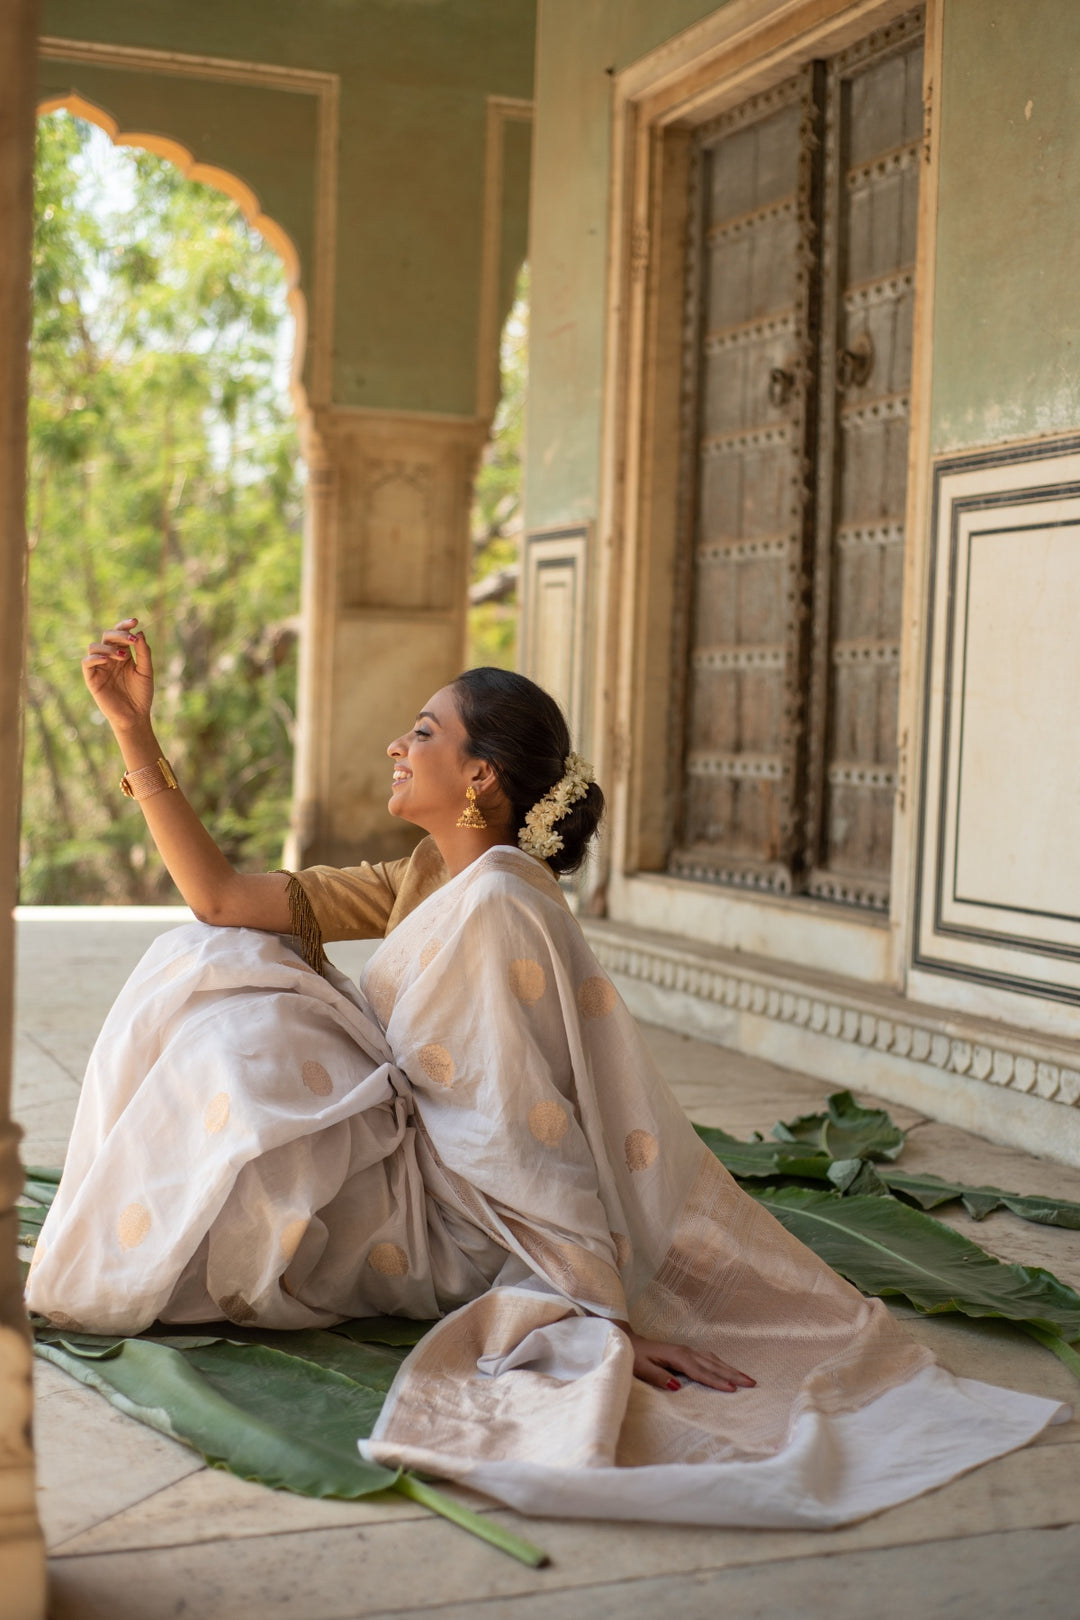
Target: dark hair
[520,730]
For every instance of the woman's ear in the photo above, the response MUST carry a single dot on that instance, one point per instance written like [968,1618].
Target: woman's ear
[484,779]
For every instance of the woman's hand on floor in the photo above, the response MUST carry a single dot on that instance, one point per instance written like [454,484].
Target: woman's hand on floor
[656,1363]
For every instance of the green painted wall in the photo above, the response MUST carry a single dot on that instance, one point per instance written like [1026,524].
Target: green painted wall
[250,131]
[580,43]
[1007,307]
[1007,300]
[415,75]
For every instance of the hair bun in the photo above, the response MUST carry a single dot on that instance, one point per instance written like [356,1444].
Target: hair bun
[522,733]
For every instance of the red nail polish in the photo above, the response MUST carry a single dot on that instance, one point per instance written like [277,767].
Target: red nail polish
[673,1383]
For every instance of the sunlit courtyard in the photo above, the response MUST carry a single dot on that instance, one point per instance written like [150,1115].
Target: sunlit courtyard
[139,1528]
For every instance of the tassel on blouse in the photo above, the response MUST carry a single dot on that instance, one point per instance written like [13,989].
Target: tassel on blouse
[306,932]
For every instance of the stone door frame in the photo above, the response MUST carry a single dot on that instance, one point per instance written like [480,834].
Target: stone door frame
[742,50]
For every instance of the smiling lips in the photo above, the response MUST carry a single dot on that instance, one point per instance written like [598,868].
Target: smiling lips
[398,777]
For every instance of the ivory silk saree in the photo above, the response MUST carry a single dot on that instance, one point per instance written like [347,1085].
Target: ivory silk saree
[478,1133]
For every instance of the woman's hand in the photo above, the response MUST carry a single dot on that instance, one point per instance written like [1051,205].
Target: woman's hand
[119,673]
[655,1363]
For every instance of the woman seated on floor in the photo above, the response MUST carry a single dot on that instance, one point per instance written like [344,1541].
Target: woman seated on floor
[477,1134]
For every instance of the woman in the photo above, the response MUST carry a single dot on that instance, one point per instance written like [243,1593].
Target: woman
[477,1134]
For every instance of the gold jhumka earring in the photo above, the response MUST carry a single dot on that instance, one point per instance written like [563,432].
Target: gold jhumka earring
[471,816]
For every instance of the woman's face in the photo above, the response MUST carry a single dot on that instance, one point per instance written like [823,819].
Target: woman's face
[432,767]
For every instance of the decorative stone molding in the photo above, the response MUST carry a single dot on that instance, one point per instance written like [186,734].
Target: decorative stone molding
[998,1055]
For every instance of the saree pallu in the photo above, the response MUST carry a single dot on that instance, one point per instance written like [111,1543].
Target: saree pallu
[479,1133]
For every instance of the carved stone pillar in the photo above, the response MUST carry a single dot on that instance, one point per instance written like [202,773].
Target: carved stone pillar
[22,1552]
[384,598]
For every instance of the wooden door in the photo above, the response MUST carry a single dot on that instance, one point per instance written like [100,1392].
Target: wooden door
[751,400]
[875,152]
[798,370]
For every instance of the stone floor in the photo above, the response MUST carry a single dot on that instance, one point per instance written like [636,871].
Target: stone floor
[139,1529]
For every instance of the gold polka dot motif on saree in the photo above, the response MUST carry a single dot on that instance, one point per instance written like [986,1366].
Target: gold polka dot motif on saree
[216,1116]
[133,1226]
[235,1308]
[316,1078]
[585,1276]
[549,1123]
[596,997]
[528,980]
[437,1064]
[641,1148]
[430,952]
[61,1319]
[623,1250]
[389,1260]
[296,963]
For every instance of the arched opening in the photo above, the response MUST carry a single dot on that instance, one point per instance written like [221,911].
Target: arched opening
[496,521]
[165,481]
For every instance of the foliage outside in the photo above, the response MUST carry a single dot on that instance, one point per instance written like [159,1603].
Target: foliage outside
[497,502]
[164,481]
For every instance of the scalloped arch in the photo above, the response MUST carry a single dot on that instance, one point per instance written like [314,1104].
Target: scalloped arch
[233,187]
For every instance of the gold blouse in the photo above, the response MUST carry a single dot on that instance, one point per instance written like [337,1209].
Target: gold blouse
[360,902]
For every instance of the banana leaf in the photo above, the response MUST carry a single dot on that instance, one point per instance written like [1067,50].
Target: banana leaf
[372,1365]
[846,1130]
[287,1418]
[44,1173]
[42,1192]
[749,1161]
[38,1193]
[888,1249]
[390,1330]
[852,1176]
[228,1401]
[930,1192]
[31,1220]
[796,1152]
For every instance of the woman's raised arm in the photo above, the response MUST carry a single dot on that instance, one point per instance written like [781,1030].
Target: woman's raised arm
[119,673]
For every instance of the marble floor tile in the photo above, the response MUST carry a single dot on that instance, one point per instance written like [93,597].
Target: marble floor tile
[92,1460]
[37,1076]
[46,1127]
[742,1093]
[370,1570]
[998,1353]
[1033,1573]
[1022,1242]
[140,1528]
[211,1505]
[937,1148]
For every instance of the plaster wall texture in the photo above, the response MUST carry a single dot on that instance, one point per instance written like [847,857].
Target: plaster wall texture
[1007,314]
[414,84]
[1006,307]
[247,129]
[1003,368]
[578,49]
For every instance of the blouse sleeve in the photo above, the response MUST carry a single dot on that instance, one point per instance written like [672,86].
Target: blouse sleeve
[349,902]
[359,902]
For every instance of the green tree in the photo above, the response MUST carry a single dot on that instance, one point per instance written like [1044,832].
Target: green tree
[497,513]
[164,480]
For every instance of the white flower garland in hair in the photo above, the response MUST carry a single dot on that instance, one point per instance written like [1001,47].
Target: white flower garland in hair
[538,836]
